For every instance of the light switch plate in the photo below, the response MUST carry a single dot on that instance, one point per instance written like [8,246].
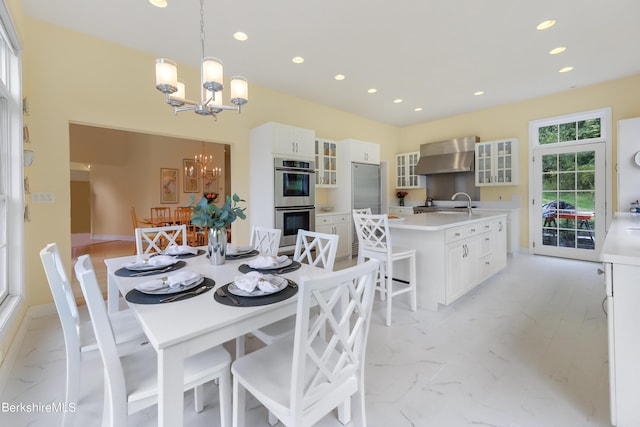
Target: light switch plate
[42,197]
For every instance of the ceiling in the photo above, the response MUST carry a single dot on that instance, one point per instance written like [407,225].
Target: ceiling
[432,54]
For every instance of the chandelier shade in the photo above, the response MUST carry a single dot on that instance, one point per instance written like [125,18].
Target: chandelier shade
[212,82]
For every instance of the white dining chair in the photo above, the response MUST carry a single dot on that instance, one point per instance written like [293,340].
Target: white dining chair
[131,381]
[158,239]
[265,240]
[313,248]
[79,339]
[302,378]
[374,241]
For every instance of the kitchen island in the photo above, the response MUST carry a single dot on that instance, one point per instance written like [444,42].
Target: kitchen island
[621,257]
[455,251]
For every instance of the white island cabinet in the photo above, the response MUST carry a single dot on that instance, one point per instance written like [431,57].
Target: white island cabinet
[621,256]
[455,252]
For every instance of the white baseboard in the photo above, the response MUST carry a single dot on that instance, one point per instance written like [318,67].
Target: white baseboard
[12,354]
[113,237]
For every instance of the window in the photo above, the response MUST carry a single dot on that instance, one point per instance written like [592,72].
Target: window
[11,173]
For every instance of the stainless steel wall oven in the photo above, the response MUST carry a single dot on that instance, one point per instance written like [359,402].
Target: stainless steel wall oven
[294,183]
[290,220]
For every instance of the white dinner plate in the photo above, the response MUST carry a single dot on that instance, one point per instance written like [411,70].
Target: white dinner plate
[167,290]
[283,264]
[154,263]
[280,282]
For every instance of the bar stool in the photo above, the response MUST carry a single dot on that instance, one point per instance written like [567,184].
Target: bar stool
[374,242]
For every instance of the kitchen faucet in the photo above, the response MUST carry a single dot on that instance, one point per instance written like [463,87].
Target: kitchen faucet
[468,200]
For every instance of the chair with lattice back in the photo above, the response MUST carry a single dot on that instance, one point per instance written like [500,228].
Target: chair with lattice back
[374,241]
[313,248]
[157,239]
[320,367]
[265,240]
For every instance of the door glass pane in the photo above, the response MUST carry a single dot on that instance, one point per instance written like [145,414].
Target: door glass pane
[548,134]
[567,132]
[589,129]
[568,200]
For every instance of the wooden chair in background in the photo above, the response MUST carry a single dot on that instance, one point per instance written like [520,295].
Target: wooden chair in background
[182,216]
[161,216]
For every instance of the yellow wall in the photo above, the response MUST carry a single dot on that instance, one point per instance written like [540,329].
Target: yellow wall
[512,120]
[69,77]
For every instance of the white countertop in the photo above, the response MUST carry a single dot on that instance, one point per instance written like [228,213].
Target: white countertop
[622,244]
[435,221]
[325,213]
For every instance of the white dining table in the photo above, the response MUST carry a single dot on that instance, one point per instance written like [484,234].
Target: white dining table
[179,329]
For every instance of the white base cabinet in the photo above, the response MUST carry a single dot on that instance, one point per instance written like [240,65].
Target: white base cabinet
[468,258]
[452,261]
[400,210]
[336,224]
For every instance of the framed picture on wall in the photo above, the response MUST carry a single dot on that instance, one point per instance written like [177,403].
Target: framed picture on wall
[168,185]
[191,183]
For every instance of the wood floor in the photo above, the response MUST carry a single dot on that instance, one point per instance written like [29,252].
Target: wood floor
[99,250]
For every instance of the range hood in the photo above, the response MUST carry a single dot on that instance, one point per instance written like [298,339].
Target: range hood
[454,155]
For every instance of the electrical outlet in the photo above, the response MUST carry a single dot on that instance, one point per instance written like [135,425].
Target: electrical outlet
[42,197]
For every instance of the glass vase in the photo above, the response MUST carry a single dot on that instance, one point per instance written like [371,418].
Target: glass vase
[217,245]
[401,200]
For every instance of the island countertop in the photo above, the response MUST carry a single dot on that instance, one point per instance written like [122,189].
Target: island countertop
[435,221]
[622,244]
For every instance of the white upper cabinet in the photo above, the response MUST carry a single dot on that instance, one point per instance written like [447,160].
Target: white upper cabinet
[497,162]
[326,163]
[362,151]
[285,140]
[406,171]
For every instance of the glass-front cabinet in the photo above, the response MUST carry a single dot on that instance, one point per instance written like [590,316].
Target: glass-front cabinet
[326,163]
[406,170]
[497,162]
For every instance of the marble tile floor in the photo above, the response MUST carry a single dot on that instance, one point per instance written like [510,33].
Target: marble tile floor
[528,348]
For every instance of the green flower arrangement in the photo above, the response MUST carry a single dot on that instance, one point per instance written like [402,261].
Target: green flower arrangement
[210,215]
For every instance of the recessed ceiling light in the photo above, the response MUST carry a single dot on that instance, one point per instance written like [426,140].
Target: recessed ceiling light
[557,50]
[546,24]
[417,109]
[372,90]
[397,101]
[159,3]
[298,60]
[565,69]
[478,93]
[240,36]
[339,77]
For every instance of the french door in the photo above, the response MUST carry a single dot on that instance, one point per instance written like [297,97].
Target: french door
[569,200]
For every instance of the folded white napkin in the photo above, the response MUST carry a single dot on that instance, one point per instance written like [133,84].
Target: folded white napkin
[268,261]
[170,281]
[233,249]
[248,282]
[181,250]
[154,261]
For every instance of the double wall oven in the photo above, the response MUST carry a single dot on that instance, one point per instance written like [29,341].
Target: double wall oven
[294,198]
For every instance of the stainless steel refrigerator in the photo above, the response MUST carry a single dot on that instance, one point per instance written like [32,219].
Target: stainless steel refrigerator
[365,193]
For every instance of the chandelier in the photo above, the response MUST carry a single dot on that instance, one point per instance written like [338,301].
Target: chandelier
[212,84]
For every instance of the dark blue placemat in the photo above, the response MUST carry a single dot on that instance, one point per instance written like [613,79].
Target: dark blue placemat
[229,299]
[244,268]
[185,256]
[125,272]
[242,256]
[137,297]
